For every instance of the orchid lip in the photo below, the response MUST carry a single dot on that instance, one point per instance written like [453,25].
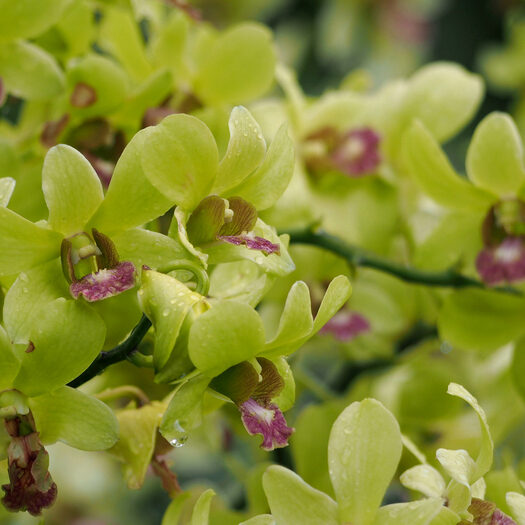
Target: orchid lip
[502,263]
[268,420]
[253,243]
[105,283]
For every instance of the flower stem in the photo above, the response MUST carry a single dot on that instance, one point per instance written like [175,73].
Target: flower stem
[115,355]
[358,257]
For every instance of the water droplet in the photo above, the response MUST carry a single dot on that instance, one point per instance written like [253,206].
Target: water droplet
[173,301]
[178,442]
[165,312]
[245,134]
[25,290]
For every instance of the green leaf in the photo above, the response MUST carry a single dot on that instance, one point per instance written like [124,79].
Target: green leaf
[293,501]
[481,320]
[170,162]
[444,97]
[24,244]
[9,364]
[38,64]
[497,484]
[67,337]
[416,512]
[267,184]
[237,67]
[430,168]
[29,296]
[144,247]
[246,150]
[484,459]
[517,504]
[28,18]
[495,156]
[7,186]
[75,418]
[228,333]
[184,411]
[425,479]
[166,302]
[363,453]
[131,200]
[72,189]
[137,436]
[201,511]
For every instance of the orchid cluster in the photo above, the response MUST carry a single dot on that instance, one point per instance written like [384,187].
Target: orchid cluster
[193,251]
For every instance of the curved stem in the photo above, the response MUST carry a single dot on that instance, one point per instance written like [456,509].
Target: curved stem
[358,257]
[115,355]
[124,391]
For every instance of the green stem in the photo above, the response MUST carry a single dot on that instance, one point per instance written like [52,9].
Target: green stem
[356,256]
[115,355]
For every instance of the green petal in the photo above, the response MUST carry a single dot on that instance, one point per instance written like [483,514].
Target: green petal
[458,465]
[286,398]
[170,162]
[481,320]
[166,302]
[120,35]
[144,247]
[444,97]
[29,296]
[228,333]
[102,75]
[72,189]
[363,454]
[38,64]
[246,150]
[137,436]
[311,455]
[420,512]
[9,364]
[131,200]
[201,511]
[184,412]
[425,479]
[517,504]
[296,319]
[67,338]
[267,184]
[495,156]
[27,18]
[262,519]
[222,252]
[238,66]
[7,186]
[24,244]
[428,165]
[175,509]
[484,459]
[293,501]
[75,418]
[297,316]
